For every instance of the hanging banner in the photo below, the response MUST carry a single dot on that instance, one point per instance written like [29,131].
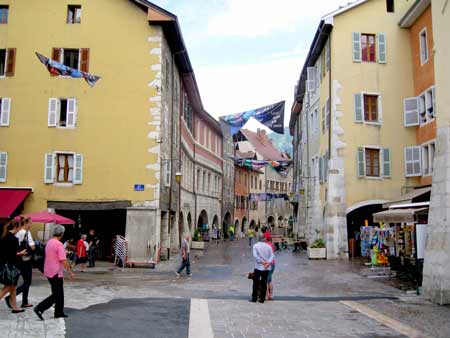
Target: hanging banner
[271,116]
[56,68]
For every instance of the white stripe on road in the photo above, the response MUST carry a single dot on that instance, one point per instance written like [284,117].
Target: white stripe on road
[387,321]
[199,321]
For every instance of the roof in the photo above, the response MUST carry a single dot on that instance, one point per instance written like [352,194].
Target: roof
[410,197]
[10,199]
[413,13]
[263,146]
[398,215]
[342,9]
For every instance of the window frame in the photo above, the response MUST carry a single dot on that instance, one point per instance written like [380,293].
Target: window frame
[4,8]
[423,34]
[3,75]
[429,159]
[74,21]
[366,164]
[363,55]
[413,161]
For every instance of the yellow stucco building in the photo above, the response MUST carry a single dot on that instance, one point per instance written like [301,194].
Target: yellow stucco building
[96,155]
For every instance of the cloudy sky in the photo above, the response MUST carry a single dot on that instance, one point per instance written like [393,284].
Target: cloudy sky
[247,53]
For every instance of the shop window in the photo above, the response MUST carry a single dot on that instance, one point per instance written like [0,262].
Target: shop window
[74,14]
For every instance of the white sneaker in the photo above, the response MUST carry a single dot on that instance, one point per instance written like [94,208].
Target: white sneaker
[177,273]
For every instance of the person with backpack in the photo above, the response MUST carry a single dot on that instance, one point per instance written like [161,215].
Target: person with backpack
[25,266]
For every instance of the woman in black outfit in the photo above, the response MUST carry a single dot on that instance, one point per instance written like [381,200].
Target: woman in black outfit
[9,255]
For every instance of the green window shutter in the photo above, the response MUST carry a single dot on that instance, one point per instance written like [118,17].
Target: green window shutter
[3,166]
[386,160]
[356,39]
[381,38]
[358,105]
[361,162]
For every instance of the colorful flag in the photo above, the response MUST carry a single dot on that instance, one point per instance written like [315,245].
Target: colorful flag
[56,68]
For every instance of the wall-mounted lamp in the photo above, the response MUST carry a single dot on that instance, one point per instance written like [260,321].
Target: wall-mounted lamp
[178,177]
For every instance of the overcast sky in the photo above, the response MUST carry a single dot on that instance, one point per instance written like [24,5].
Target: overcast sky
[247,53]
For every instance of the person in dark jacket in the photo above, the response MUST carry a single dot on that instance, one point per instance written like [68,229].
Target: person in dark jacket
[10,254]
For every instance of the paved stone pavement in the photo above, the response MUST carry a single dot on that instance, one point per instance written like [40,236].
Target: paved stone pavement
[313,299]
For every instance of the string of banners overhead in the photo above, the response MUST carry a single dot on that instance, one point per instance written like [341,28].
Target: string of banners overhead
[271,116]
[279,166]
[56,68]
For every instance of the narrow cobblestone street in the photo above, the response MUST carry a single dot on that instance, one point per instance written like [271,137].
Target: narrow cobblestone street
[312,299]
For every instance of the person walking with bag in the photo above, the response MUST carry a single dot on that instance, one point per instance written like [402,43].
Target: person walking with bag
[269,295]
[9,260]
[264,256]
[25,266]
[55,263]
[186,262]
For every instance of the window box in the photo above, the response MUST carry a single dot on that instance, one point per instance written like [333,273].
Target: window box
[317,253]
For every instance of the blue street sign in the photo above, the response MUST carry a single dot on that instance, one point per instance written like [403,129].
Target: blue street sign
[139,187]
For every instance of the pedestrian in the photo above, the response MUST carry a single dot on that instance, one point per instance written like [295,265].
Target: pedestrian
[10,253]
[80,254]
[268,241]
[215,234]
[55,262]
[25,264]
[93,242]
[185,259]
[231,232]
[69,247]
[251,234]
[264,256]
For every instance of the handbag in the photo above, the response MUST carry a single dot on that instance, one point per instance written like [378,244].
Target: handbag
[24,245]
[9,275]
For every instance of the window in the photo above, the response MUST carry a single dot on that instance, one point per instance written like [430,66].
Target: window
[390,6]
[260,184]
[420,109]
[423,43]
[4,11]
[7,61]
[73,58]
[372,162]
[428,151]
[209,183]
[74,14]
[198,179]
[63,168]
[371,108]
[5,106]
[3,165]
[368,47]
[62,112]
[367,108]
[167,172]
[204,181]
[413,163]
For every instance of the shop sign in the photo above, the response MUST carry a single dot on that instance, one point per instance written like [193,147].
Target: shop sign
[139,187]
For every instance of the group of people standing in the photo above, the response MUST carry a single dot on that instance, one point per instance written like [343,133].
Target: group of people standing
[264,254]
[83,251]
[16,251]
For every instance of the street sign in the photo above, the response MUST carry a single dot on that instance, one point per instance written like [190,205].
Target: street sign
[139,187]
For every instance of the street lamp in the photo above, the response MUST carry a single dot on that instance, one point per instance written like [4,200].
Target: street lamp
[178,177]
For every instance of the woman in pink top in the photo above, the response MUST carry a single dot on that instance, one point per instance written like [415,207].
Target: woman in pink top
[55,262]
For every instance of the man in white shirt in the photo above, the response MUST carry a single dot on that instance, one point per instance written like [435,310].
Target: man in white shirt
[264,256]
[26,267]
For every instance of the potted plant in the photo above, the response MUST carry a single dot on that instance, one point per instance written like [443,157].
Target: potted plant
[317,250]
[197,242]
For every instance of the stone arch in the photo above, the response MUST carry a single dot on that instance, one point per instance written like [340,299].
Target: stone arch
[189,223]
[243,224]
[252,224]
[226,224]
[202,219]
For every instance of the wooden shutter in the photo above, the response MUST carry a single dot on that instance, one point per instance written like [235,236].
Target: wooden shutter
[78,169]
[53,110]
[49,167]
[5,111]
[359,107]
[56,56]
[360,158]
[413,161]
[386,162]
[84,63]
[411,111]
[3,166]
[71,112]
[356,39]
[381,48]
[10,61]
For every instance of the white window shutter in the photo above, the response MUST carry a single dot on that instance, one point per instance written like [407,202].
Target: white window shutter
[49,167]
[5,111]
[413,161]
[320,169]
[167,173]
[380,110]
[78,169]
[386,162]
[381,39]
[411,111]
[3,166]
[71,112]
[356,45]
[433,92]
[325,168]
[361,162]
[53,109]
[359,107]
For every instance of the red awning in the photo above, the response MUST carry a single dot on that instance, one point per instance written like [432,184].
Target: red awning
[10,199]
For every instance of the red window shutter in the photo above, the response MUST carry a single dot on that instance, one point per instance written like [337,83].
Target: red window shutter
[84,64]
[11,62]
[56,56]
